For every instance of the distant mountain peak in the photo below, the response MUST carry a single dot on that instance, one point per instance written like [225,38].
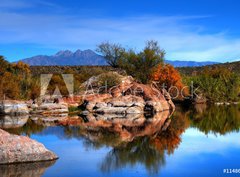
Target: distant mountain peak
[64,53]
[78,51]
[67,57]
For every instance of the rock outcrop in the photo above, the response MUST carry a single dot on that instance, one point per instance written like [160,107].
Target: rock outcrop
[13,107]
[129,97]
[51,109]
[15,149]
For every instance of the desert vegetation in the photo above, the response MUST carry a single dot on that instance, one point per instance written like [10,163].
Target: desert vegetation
[137,64]
[217,83]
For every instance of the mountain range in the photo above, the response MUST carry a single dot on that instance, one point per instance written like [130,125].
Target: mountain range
[89,57]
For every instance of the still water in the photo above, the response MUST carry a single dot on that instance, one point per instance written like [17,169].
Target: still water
[198,141]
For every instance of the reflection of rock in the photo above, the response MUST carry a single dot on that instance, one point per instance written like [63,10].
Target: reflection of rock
[51,109]
[13,107]
[48,120]
[126,127]
[35,169]
[129,97]
[14,149]
[13,121]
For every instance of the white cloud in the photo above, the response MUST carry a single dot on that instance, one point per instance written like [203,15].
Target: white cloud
[181,39]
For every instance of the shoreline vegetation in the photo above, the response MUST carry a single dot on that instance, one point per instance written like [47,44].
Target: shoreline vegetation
[218,83]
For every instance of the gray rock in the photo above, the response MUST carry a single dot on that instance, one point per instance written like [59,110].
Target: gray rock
[13,107]
[134,110]
[16,149]
[51,109]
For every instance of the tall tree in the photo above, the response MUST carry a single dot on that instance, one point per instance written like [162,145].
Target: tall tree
[141,65]
[111,52]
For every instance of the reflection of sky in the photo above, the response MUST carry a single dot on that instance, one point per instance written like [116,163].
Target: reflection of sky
[197,155]
[204,155]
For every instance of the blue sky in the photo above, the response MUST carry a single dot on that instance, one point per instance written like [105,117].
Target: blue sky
[187,29]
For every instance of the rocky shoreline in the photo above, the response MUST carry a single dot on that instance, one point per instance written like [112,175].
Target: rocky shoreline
[127,100]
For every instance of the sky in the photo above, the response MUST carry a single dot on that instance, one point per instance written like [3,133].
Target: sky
[196,30]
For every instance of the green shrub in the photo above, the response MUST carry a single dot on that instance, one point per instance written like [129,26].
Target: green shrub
[217,84]
[109,79]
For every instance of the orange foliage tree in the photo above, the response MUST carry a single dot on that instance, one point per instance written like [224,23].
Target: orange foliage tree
[168,77]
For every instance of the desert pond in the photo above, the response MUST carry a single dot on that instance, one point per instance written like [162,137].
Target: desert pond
[198,141]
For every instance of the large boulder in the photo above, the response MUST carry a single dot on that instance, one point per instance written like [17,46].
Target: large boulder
[13,107]
[129,97]
[15,149]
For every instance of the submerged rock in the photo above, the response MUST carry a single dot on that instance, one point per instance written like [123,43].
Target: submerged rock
[13,107]
[16,149]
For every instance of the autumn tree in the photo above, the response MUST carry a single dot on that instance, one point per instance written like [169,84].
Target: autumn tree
[4,65]
[166,76]
[15,79]
[9,86]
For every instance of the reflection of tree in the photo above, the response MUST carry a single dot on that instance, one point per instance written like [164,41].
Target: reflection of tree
[217,119]
[149,150]
[92,139]
[132,153]
[170,139]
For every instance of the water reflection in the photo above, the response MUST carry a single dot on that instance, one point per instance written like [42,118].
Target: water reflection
[8,121]
[150,151]
[136,139]
[217,119]
[35,169]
